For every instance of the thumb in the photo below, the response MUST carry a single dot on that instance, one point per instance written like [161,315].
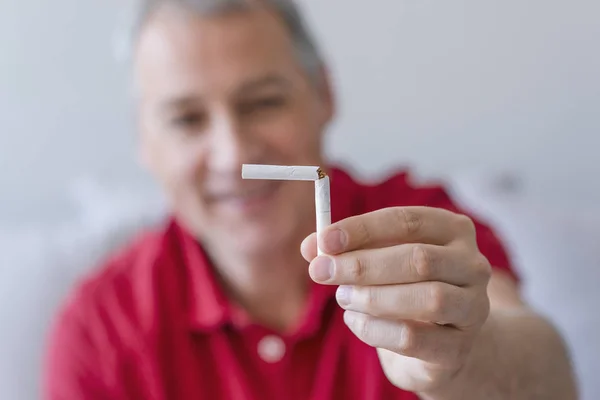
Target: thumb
[308,248]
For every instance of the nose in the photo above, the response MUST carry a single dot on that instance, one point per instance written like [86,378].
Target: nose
[230,147]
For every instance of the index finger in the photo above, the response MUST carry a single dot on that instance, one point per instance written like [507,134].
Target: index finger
[394,225]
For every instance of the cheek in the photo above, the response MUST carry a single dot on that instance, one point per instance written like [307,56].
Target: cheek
[179,169]
[311,132]
[187,172]
[297,137]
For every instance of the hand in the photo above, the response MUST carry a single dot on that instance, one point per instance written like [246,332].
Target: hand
[413,284]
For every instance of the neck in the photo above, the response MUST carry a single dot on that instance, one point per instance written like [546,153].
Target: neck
[272,288]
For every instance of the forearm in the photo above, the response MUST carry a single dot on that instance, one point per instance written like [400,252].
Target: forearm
[518,355]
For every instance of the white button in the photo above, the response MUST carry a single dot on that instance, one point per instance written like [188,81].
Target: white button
[271,349]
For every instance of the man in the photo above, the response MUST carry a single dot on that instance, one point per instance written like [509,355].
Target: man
[410,299]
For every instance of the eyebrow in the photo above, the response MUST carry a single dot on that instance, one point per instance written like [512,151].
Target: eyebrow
[180,101]
[264,81]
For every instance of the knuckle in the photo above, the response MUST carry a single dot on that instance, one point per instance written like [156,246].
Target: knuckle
[362,232]
[482,268]
[465,224]
[362,327]
[422,263]
[408,344]
[358,270]
[410,220]
[371,299]
[437,304]
[367,300]
[482,310]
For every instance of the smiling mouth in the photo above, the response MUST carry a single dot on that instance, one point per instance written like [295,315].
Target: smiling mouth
[251,195]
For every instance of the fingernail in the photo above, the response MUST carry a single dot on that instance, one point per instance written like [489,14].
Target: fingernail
[334,241]
[344,295]
[322,269]
[349,318]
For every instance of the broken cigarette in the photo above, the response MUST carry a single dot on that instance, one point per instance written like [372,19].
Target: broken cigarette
[298,173]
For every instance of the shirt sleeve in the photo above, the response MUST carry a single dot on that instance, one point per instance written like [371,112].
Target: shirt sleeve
[399,191]
[488,241]
[74,364]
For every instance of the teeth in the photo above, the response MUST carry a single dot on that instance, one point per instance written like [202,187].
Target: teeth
[246,193]
[254,192]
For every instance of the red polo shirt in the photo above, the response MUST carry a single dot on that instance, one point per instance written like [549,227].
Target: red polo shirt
[153,324]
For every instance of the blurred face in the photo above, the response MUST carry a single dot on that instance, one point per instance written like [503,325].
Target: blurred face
[215,93]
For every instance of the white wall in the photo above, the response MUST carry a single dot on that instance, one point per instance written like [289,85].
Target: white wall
[468,84]
[442,85]
[63,107]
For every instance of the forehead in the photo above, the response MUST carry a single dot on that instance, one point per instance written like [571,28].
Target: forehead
[179,51]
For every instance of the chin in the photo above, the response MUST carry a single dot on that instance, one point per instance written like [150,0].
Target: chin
[259,240]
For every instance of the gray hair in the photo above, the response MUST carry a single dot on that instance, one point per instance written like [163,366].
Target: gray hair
[305,48]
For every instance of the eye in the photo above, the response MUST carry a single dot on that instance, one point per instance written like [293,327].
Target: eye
[188,120]
[262,104]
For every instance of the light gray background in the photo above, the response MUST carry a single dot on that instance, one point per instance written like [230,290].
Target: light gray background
[442,86]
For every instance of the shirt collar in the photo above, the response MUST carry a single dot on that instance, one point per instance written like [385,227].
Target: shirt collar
[207,305]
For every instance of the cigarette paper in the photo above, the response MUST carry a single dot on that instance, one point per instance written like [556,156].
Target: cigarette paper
[322,205]
[298,173]
[280,172]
